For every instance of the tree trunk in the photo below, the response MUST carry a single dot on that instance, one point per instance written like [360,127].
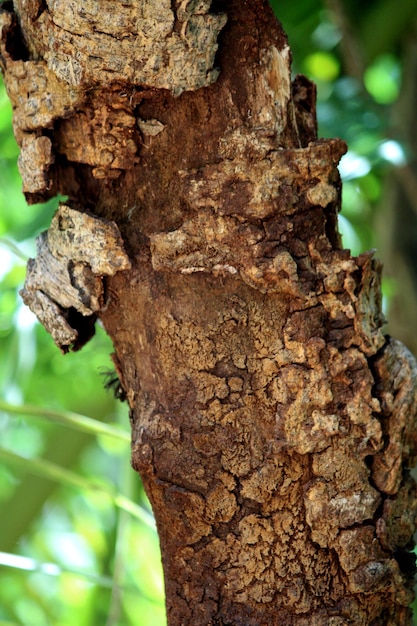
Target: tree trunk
[272,421]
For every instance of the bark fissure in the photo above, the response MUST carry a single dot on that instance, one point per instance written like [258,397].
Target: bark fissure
[271,419]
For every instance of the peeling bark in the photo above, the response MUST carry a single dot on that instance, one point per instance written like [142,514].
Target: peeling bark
[146,43]
[273,423]
[64,284]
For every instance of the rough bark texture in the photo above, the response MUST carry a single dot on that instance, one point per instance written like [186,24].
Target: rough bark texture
[273,424]
[65,281]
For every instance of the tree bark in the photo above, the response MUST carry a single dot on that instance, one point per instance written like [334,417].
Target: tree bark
[272,420]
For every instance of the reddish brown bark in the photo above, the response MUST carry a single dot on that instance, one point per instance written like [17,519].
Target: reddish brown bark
[272,421]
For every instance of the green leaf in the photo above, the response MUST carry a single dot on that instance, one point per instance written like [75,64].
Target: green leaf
[382,79]
[67,418]
[12,247]
[322,66]
[54,472]
[28,564]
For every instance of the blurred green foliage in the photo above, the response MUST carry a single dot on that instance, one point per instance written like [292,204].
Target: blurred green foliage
[70,552]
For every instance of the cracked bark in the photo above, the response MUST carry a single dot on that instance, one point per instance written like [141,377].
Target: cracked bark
[272,420]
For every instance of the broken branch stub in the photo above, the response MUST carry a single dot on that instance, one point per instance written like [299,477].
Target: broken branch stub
[64,284]
[167,45]
[77,51]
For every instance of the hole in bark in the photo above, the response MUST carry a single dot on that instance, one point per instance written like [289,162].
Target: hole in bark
[77,182]
[304,94]
[14,40]
[331,227]
[217,6]
[42,6]
[84,325]
[406,560]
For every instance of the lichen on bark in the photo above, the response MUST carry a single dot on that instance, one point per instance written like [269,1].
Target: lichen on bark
[76,47]
[154,44]
[273,423]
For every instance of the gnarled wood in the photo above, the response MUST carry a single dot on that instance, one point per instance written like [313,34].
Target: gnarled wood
[272,421]
[64,284]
